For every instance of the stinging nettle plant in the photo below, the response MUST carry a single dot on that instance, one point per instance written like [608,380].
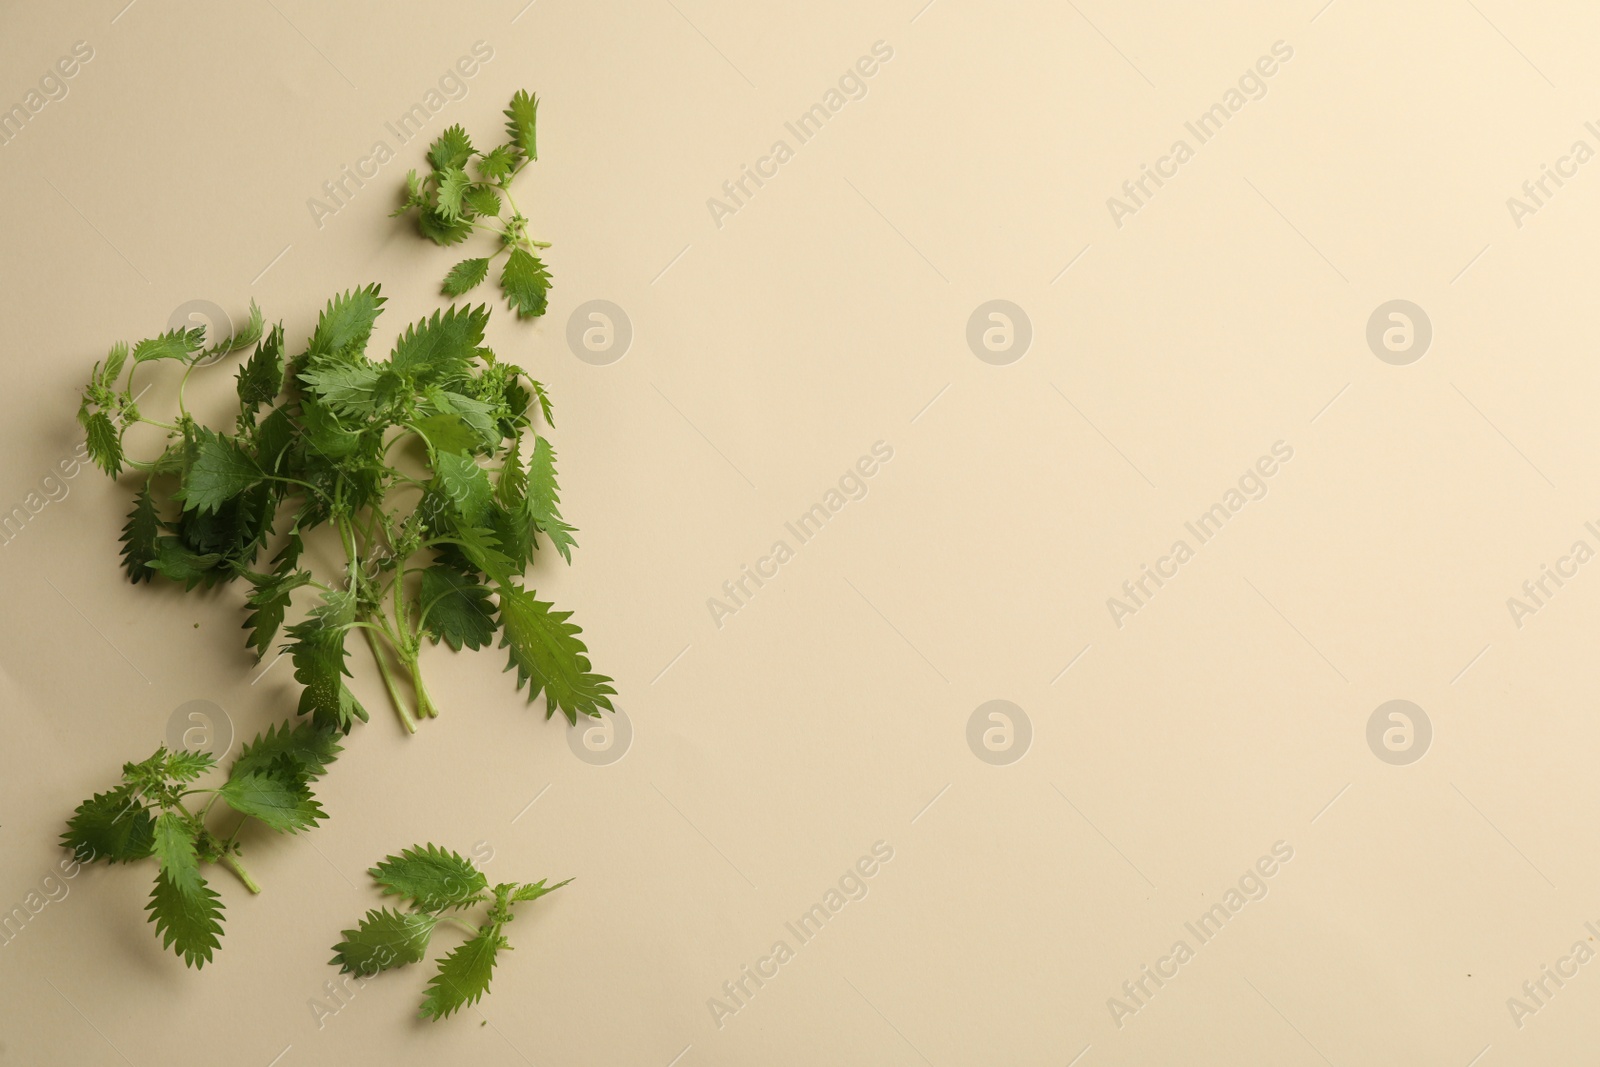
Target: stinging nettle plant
[451,206]
[436,882]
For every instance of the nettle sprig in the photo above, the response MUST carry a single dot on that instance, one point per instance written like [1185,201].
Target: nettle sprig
[424,469]
[436,883]
[158,812]
[451,205]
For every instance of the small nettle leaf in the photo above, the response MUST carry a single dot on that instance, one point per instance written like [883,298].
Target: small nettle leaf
[535,890]
[453,185]
[189,923]
[466,275]
[105,443]
[221,471]
[107,377]
[175,850]
[549,657]
[440,229]
[451,150]
[431,877]
[178,562]
[347,322]
[456,609]
[525,283]
[496,166]
[464,975]
[544,499]
[174,344]
[482,200]
[268,603]
[283,803]
[307,748]
[383,940]
[261,378]
[522,119]
[115,827]
[139,537]
[184,767]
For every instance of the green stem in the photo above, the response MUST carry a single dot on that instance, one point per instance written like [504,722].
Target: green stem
[230,861]
[468,927]
[388,680]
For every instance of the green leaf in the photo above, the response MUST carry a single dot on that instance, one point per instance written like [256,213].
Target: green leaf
[105,443]
[433,225]
[456,609]
[431,877]
[535,890]
[317,648]
[188,923]
[451,150]
[306,746]
[465,483]
[522,119]
[477,414]
[482,200]
[464,975]
[139,536]
[285,805]
[107,378]
[114,826]
[465,275]
[243,338]
[544,498]
[187,766]
[447,433]
[549,657]
[453,185]
[261,378]
[442,346]
[324,433]
[174,344]
[383,940]
[496,166]
[175,850]
[179,563]
[350,388]
[221,471]
[270,597]
[525,283]
[346,323]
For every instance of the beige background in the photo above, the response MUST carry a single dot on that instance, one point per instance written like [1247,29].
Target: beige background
[830,713]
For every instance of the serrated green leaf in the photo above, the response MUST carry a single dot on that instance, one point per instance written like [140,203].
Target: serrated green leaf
[447,433]
[465,484]
[433,225]
[451,150]
[477,414]
[306,746]
[463,976]
[349,388]
[522,121]
[548,655]
[431,877]
[441,346]
[383,940]
[544,498]
[175,850]
[535,890]
[139,536]
[284,804]
[184,767]
[242,338]
[271,597]
[174,344]
[481,200]
[465,275]
[114,827]
[188,923]
[115,359]
[453,185]
[496,166]
[525,283]
[456,609]
[317,648]
[221,471]
[346,323]
[105,443]
[261,378]
[181,564]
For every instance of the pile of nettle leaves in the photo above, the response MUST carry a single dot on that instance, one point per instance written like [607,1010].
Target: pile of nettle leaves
[423,474]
